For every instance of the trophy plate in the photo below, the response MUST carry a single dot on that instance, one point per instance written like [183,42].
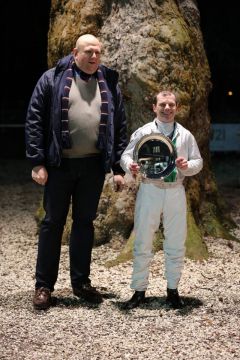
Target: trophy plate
[156,155]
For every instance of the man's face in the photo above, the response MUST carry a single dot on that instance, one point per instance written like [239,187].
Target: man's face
[165,108]
[87,56]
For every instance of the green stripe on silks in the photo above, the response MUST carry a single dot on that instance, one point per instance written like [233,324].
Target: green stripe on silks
[172,177]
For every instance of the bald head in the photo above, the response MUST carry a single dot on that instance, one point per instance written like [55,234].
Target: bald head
[87,53]
[87,39]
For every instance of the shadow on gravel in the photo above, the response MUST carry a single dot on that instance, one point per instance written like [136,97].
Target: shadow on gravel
[62,299]
[157,303]
[73,302]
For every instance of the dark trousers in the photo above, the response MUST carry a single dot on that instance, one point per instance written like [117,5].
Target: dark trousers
[79,181]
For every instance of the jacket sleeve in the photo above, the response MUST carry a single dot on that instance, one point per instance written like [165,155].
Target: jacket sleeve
[195,161]
[37,120]
[127,156]
[120,133]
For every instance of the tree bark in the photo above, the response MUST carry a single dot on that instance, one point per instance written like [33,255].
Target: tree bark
[153,44]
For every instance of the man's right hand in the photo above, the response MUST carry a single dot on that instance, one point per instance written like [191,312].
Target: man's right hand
[134,168]
[40,174]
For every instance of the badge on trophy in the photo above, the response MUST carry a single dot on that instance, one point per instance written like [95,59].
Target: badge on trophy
[156,155]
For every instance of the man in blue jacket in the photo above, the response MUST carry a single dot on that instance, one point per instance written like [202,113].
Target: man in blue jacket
[75,134]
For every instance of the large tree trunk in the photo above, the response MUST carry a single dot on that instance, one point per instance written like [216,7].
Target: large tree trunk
[153,44]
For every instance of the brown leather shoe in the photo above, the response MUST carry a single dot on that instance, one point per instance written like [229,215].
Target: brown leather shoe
[88,293]
[42,298]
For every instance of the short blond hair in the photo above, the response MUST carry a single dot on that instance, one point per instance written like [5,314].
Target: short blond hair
[165,93]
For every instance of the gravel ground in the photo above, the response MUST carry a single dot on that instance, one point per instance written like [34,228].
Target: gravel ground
[208,328]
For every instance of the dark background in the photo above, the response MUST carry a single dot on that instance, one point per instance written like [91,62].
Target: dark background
[220,28]
[24,28]
[24,58]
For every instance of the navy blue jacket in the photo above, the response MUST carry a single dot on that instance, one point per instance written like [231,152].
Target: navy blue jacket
[43,122]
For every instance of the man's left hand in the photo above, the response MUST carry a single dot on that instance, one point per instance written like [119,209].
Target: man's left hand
[119,182]
[181,163]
